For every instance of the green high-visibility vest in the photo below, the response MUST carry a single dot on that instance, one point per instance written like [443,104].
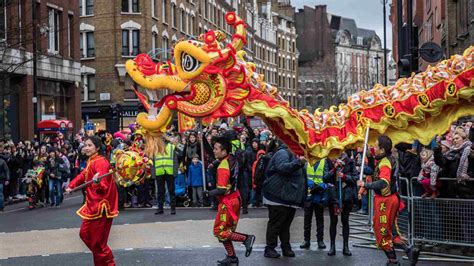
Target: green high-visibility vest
[237,145]
[164,162]
[316,176]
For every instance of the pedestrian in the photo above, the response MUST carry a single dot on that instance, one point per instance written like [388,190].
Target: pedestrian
[4,180]
[228,195]
[101,205]
[283,191]
[195,180]
[428,176]
[386,201]
[53,173]
[341,196]
[315,202]
[166,169]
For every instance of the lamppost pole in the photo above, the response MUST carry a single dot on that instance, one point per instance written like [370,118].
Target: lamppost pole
[35,62]
[377,58]
[384,2]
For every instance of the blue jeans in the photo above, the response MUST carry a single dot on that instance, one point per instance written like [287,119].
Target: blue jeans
[365,203]
[55,195]
[1,196]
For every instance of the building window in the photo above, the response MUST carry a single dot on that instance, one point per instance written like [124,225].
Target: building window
[154,45]
[165,48]
[164,13]
[154,8]
[3,20]
[86,7]
[69,35]
[88,88]
[360,40]
[53,36]
[130,6]
[174,19]
[183,21]
[192,22]
[130,42]
[87,44]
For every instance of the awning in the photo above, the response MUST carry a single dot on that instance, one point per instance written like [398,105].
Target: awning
[53,126]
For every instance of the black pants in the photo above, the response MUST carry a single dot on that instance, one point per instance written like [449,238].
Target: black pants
[346,209]
[318,209]
[169,179]
[279,222]
[144,192]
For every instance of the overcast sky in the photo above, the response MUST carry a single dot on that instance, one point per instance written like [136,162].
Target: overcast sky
[368,14]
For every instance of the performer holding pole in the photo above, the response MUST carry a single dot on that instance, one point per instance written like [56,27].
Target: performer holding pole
[101,203]
[386,201]
[229,203]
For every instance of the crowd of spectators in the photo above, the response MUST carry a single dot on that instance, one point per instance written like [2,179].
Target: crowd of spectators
[448,156]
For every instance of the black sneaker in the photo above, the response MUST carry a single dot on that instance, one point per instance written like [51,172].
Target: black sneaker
[288,252]
[271,253]
[248,243]
[159,211]
[173,211]
[229,261]
[413,253]
[245,211]
[321,245]
[305,245]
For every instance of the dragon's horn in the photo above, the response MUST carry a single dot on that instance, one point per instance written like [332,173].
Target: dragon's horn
[239,39]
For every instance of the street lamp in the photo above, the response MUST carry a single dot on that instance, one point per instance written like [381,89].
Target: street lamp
[384,3]
[377,58]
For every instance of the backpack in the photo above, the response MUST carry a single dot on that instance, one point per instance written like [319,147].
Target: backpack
[260,167]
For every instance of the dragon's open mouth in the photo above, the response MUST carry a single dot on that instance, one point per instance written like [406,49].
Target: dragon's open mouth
[196,81]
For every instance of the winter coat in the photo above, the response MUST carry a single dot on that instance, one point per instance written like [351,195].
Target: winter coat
[286,180]
[409,163]
[195,175]
[349,183]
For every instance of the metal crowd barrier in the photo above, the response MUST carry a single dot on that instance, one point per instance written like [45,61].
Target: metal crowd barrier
[445,222]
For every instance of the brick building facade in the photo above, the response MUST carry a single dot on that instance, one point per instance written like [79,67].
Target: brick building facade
[58,67]
[337,58]
[115,31]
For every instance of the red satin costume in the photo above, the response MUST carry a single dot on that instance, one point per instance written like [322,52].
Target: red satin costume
[228,210]
[99,210]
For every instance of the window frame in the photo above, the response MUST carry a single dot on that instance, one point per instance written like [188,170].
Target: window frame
[130,5]
[164,11]
[54,21]
[86,88]
[130,42]
[85,48]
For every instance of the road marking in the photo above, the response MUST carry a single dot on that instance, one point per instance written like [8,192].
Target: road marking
[168,247]
[206,246]
[126,224]
[88,252]
[189,220]
[62,228]
[45,255]
[26,207]
[158,222]
[128,249]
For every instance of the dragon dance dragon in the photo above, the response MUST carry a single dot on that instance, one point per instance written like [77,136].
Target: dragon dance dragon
[210,80]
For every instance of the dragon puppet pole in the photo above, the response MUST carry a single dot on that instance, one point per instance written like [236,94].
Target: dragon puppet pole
[202,155]
[85,184]
[364,153]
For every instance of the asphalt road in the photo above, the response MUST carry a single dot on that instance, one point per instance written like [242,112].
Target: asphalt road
[49,237]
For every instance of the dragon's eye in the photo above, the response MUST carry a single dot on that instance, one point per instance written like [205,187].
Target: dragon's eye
[189,63]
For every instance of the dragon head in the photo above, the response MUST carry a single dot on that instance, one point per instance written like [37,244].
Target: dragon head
[207,80]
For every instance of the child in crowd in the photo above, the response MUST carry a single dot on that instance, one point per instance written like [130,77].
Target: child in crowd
[195,180]
[429,174]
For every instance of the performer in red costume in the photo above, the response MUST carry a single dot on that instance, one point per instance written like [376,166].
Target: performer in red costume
[101,203]
[229,199]
[386,202]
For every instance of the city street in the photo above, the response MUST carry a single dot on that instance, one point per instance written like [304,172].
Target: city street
[50,237]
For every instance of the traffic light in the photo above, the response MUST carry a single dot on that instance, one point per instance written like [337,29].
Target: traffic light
[115,110]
